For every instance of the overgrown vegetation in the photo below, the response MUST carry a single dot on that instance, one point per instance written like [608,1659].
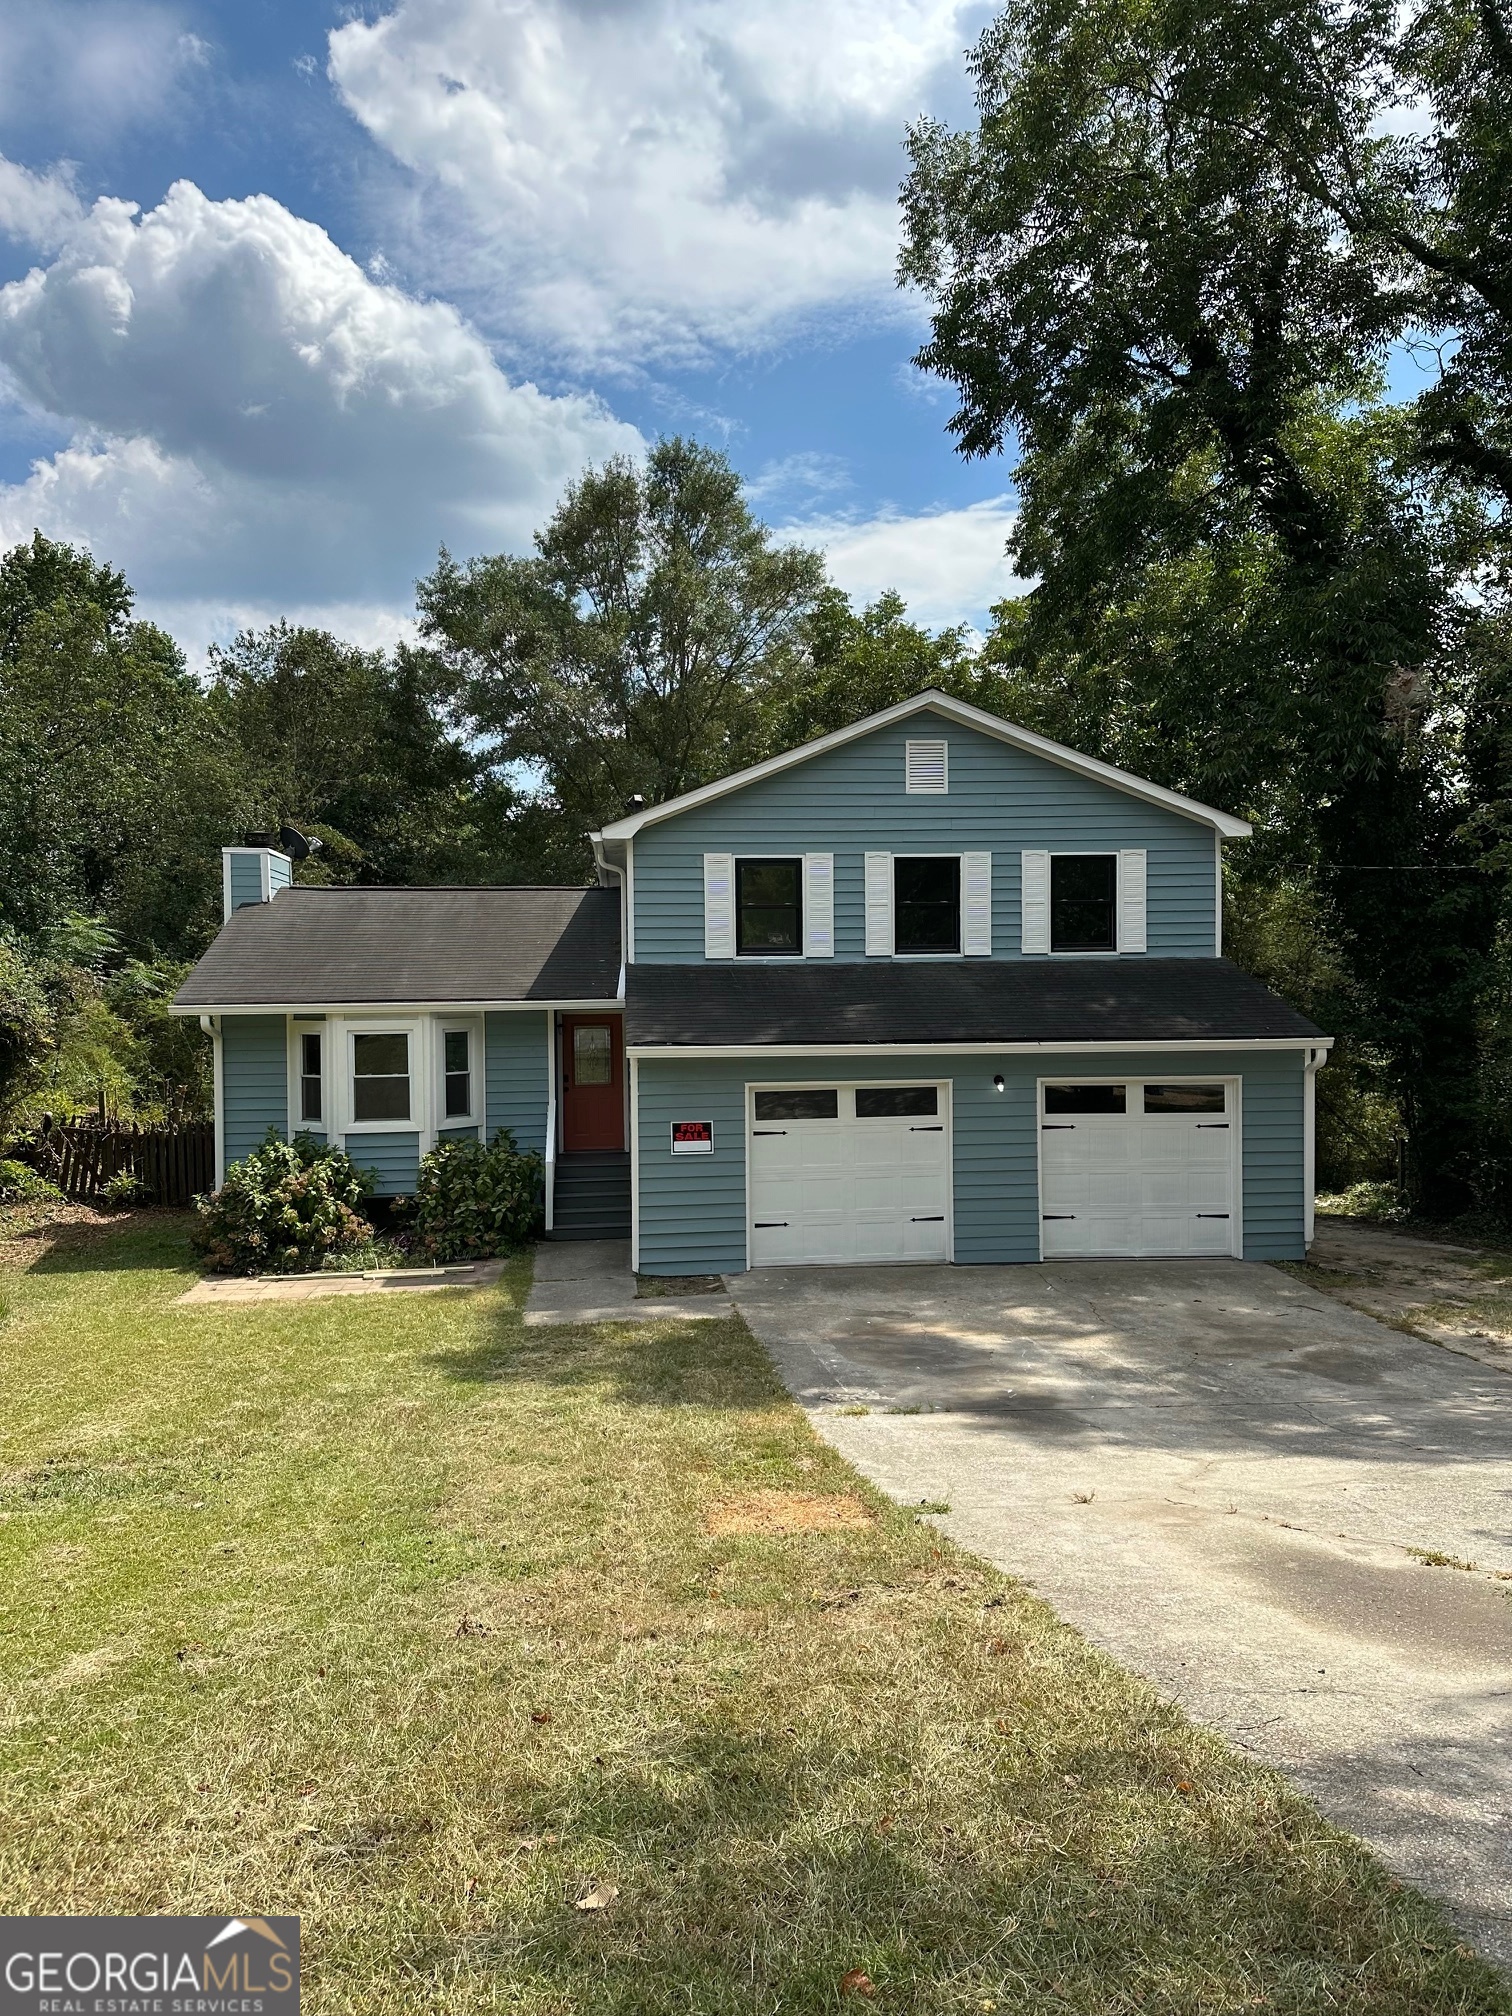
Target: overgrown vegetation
[430,1627]
[290,1207]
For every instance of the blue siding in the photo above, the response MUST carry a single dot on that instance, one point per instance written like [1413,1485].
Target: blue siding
[456,1133]
[692,1209]
[394,1160]
[246,880]
[255,1079]
[515,1074]
[848,801]
[246,877]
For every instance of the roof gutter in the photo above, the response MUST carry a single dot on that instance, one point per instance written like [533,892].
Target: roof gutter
[585,1004]
[1047,1048]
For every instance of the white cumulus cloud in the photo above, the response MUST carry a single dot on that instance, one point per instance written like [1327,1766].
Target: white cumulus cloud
[625,179]
[255,420]
[949,566]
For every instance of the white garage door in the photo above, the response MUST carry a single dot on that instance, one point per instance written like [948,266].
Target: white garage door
[849,1173]
[1132,1168]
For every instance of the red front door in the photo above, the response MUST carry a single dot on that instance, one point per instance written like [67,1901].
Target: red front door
[593,1082]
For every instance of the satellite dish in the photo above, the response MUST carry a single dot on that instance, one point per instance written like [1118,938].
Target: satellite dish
[298,846]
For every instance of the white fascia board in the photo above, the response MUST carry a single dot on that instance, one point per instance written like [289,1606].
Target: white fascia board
[1175,1046]
[357,1010]
[968,717]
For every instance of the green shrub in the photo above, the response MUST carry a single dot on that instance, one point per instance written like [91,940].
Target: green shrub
[1380,1201]
[291,1207]
[121,1191]
[21,1185]
[471,1202]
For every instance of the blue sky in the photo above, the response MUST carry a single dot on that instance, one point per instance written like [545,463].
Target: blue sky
[295,292]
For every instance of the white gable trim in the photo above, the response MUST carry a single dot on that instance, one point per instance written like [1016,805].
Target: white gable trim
[968,717]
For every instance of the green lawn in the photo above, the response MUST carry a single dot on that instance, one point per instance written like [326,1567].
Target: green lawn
[391,1613]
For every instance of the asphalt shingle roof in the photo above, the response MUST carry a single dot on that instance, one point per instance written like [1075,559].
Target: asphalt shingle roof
[978,1001]
[329,947]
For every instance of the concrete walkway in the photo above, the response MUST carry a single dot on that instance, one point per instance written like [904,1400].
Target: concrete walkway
[589,1281]
[1217,1474]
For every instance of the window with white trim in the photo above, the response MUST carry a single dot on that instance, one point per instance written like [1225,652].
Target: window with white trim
[1084,903]
[380,1060]
[456,1074]
[311,1044]
[927,903]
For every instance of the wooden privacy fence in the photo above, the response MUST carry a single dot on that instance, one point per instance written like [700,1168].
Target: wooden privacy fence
[172,1164]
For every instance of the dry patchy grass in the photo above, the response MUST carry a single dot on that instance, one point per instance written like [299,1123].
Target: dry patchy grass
[399,1616]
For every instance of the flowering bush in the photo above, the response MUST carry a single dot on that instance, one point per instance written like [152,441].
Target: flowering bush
[471,1202]
[289,1208]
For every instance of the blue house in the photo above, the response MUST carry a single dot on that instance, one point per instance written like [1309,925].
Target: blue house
[931,988]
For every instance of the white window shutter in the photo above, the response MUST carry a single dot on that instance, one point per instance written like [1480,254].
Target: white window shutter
[976,905]
[879,906]
[1131,900]
[1034,900]
[719,906]
[926,768]
[819,906]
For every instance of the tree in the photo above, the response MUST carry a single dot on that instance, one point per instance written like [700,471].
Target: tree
[113,795]
[638,649]
[353,745]
[1167,267]
[856,662]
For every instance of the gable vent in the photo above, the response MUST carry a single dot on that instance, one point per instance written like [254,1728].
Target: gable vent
[926,768]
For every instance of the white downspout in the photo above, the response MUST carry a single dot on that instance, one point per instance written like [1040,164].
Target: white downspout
[551,1118]
[1315,1059]
[211,1026]
[635,1165]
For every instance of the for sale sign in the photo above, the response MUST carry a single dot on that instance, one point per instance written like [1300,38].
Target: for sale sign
[692,1137]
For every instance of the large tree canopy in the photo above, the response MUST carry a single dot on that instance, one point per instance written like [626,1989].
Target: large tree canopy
[1169,268]
[638,650]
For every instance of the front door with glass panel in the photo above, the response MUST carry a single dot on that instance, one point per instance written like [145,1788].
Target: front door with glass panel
[593,1083]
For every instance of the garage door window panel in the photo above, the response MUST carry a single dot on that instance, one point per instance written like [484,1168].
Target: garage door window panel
[927,904]
[1186,1099]
[1085,1099]
[807,1105]
[1084,903]
[769,909]
[897,1102]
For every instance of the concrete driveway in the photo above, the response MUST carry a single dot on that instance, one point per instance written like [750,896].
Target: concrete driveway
[1218,1475]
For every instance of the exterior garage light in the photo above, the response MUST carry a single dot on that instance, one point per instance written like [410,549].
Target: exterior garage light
[997,1081]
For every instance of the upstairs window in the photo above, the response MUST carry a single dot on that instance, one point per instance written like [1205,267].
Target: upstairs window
[457,1074]
[927,903]
[310,1075]
[768,908]
[1084,903]
[380,1076]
